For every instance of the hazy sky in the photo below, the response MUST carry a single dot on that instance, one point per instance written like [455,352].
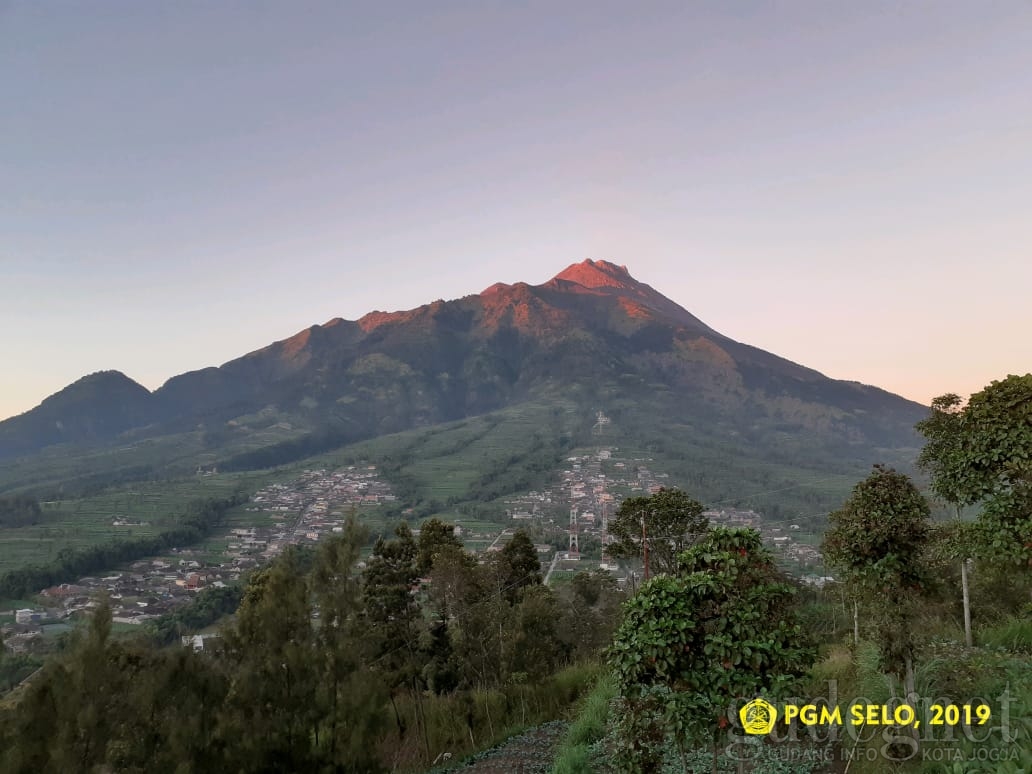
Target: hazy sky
[846,184]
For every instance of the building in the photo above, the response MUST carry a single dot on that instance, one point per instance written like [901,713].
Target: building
[29,616]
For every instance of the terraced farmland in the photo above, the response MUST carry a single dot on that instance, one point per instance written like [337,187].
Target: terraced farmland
[148,508]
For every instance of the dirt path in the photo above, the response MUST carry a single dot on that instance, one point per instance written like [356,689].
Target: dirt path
[532,752]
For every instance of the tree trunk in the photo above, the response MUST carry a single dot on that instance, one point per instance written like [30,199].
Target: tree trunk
[856,622]
[967,602]
[964,588]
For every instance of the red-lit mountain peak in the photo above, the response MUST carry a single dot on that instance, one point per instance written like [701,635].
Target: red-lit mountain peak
[597,274]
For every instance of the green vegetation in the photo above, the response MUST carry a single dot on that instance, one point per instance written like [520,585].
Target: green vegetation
[208,606]
[462,470]
[721,629]
[14,669]
[574,755]
[143,511]
[901,570]
[323,667]
[982,454]
[877,541]
[19,511]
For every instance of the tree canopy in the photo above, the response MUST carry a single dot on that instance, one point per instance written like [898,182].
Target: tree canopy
[434,537]
[693,643]
[877,541]
[981,453]
[673,522]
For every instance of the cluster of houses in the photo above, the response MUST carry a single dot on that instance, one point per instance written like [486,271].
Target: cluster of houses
[588,491]
[781,539]
[584,498]
[313,505]
[310,507]
[584,485]
[147,590]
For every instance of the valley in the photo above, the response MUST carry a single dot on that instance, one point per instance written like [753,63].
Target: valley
[302,505]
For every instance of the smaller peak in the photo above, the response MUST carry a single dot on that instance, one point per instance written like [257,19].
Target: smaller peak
[593,274]
[107,377]
[108,382]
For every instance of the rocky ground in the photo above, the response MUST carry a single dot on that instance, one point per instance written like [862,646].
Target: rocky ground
[532,752]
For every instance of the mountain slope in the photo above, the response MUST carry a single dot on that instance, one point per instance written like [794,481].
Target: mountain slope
[592,330]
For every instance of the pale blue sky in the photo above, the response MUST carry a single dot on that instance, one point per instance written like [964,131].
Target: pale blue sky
[848,185]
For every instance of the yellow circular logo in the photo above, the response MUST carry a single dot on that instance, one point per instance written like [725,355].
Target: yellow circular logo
[758,717]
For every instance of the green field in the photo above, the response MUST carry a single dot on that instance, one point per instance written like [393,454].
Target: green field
[67,468]
[87,521]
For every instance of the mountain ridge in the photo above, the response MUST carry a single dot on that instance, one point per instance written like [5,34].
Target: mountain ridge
[591,324]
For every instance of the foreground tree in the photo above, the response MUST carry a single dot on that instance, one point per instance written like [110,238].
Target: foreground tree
[392,615]
[269,715]
[993,466]
[672,522]
[941,456]
[690,645]
[350,697]
[877,542]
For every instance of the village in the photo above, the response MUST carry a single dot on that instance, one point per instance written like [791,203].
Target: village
[589,493]
[300,512]
[569,521]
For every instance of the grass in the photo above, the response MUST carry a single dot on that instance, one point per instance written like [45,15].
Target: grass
[1014,634]
[465,722]
[125,628]
[563,576]
[574,753]
[177,454]
[465,467]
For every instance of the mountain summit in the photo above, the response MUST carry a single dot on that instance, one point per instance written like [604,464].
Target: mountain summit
[592,331]
[642,300]
[597,274]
